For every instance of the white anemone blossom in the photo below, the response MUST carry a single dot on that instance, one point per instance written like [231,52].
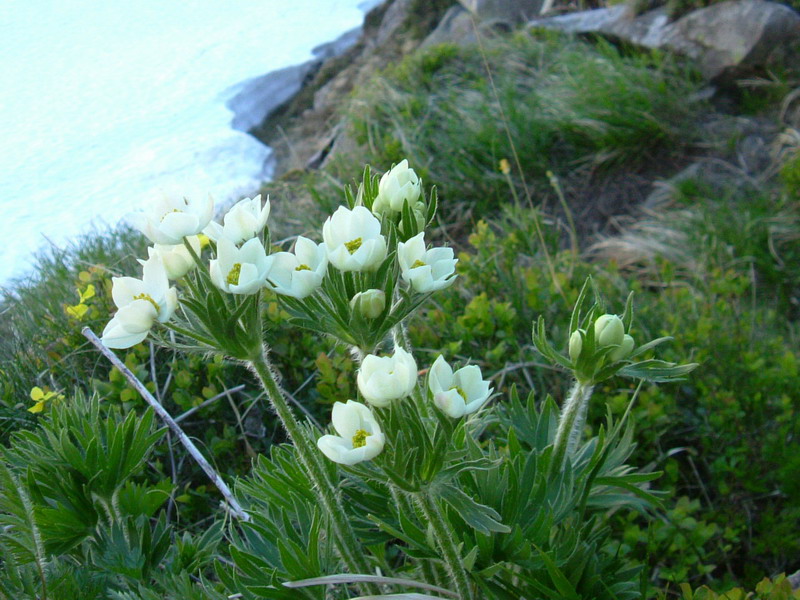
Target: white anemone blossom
[426,270]
[300,273]
[360,437]
[177,259]
[141,302]
[460,393]
[354,240]
[173,216]
[245,219]
[240,270]
[397,186]
[382,379]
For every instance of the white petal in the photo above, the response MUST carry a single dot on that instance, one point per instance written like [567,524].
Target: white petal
[137,316]
[451,403]
[123,289]
[115,336]
[169,306]
[440,376]
[213,231]
[218,278]
[177,225]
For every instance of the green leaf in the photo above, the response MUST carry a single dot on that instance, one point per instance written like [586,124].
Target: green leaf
[480,517]
[565,589]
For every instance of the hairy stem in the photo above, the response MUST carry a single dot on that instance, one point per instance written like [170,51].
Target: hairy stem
[345,538]
[445,537]
[570,424]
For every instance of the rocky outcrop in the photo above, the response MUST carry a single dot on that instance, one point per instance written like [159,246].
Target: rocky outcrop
[304,130]
[512,12]
[256,99]
[727,40]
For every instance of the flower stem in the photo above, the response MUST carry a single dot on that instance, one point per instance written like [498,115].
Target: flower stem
[570,424]
[344,537]
[445,537]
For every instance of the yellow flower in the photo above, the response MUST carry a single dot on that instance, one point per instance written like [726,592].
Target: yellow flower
[40,397]
[505,167]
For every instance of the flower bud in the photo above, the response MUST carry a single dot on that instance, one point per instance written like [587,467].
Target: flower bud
[624,350]
[370,303]
[608,331]
[575,345]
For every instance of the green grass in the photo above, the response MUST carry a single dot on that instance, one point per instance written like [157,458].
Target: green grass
[571,108]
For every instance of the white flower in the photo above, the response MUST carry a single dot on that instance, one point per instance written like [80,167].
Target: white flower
[172,217]
[360,437]
[246,219]
[354,240]
[300,273]
[141,302]
[426,270]
[460,393]
[397,186]
[240,270]
[383,379]
[177,259]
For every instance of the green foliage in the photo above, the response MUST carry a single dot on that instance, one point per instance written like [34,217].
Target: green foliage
[77,518]
[778,588]
[722,436]
[525,530]
[564,103]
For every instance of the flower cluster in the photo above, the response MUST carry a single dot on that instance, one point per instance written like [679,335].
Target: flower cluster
[369,272]
[387,379]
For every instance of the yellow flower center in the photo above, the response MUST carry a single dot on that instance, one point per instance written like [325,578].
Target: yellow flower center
[303,267]
[149,298]
[417,263]
[360,438]
[353,245]
[459,391]
[233,275]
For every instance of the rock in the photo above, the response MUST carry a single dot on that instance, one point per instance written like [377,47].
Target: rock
[455,26]
[255,99]
[458,25]
[794,580]
[338,46]
[727,40]
[393,20]
[510,11]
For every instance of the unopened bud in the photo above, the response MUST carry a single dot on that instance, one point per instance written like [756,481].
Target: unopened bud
[609,331]
[624,350]
[370,303]
[575,345]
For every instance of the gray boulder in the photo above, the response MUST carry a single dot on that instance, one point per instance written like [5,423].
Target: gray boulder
[509,11]
[727,40]
[458,26]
